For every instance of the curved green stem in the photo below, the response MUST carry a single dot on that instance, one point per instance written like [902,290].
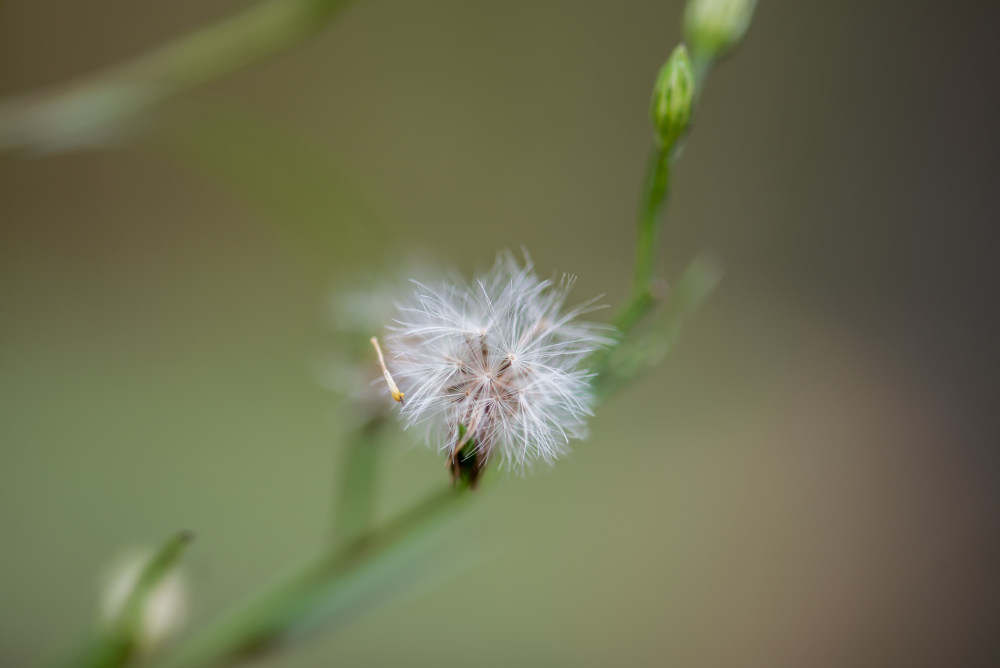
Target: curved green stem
[655,192]
[639,353]
[317,591]
[656,189]
[92,108]
[355,503]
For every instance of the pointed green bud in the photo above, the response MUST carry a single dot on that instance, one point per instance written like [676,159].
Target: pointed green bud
[713,27]
[673,97]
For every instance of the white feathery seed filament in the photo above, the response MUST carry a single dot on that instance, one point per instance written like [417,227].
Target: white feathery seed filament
[499,358]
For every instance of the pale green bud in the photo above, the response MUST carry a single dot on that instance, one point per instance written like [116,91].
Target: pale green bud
[712,27]
[162,610]
[673,97]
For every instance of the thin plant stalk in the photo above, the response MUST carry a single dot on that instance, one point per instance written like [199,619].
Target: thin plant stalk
[639,353]
[315,591]
[355,502]
[93,108]
[654,196]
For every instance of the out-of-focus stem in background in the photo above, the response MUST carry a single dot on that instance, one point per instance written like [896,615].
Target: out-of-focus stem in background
[712,29]
[355,503]
[321,590]
[670,112]
[96,107]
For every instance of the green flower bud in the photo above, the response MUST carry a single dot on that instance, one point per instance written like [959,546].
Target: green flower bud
[713,27]
[162,610]
[673,97]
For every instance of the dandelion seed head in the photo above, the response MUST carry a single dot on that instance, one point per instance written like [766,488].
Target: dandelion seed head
[497,362]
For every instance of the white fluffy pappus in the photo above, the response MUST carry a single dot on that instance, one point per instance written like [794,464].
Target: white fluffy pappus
[497,362]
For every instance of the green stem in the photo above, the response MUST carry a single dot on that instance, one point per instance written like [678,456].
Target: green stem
[88,110]
[654,195]
[701,65]
[316,591]
[655,190]
[355,505]
[656,187]
[639,353]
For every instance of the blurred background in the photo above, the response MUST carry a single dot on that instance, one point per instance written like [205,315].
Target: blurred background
[810,478]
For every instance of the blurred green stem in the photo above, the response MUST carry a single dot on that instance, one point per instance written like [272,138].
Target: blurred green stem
[219,49]
[639,353]
[701,65]
[355,505]
[655,192]
[315,591]
[654,195]
[91,108]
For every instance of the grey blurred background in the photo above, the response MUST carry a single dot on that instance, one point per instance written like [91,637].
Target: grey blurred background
[810,479]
